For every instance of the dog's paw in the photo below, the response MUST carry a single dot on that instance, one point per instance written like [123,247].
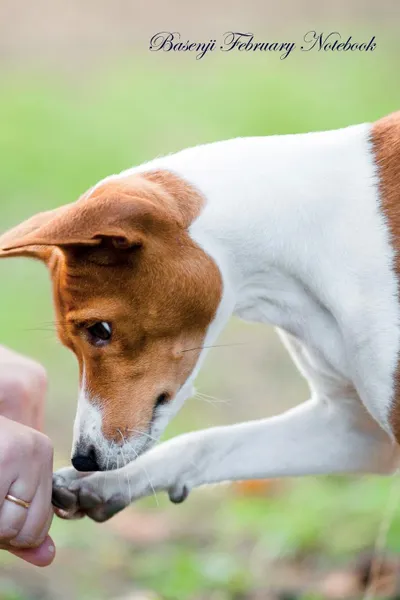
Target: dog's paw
[94,499]
[178,493]
[76,495]
[65,501]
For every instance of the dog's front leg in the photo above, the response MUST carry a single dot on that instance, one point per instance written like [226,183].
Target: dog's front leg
[317,437]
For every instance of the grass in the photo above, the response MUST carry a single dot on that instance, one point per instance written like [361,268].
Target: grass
[58,135]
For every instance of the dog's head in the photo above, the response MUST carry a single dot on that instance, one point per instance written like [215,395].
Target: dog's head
[134,297]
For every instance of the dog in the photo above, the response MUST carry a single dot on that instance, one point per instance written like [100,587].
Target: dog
[299,231]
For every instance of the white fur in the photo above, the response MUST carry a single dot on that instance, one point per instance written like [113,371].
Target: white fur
[87,424]
[295,226]
[88,433]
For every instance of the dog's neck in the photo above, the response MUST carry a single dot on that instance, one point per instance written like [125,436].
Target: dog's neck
[268,203]
[274,209]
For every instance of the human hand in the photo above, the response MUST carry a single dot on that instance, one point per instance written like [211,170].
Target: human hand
[23,384]
[25,460]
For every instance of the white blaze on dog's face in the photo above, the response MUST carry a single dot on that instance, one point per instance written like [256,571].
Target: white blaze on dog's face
[134,297]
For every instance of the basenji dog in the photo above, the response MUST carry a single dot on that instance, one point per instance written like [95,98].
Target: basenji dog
[299,231]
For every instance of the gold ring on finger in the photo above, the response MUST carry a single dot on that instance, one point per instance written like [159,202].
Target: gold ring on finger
[18,501]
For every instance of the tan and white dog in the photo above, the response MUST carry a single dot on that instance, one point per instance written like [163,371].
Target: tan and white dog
[300,231]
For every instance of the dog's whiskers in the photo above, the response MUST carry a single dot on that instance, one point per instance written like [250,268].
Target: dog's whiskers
[107,461]
[118,477]
[210,399]
[150,437]
[197,397]
[215,346]
[48,325]
[143,469]
[49,329]
[214,398]
[125,463]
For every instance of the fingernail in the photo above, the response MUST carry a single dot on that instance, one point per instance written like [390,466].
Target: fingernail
[51,548]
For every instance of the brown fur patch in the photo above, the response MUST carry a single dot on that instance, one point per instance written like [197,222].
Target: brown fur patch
[122,254]
[386,145]
[188,201]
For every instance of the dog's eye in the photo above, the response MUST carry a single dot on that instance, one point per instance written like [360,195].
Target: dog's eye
[99,334]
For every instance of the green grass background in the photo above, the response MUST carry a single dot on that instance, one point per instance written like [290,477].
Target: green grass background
[60,133]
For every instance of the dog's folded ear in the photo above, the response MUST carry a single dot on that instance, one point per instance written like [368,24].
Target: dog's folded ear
[120,222]
[20,232]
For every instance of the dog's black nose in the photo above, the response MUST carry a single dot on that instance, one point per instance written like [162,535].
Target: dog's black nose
[86,461]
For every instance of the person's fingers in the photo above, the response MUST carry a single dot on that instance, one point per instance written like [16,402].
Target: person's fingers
[44,533]
[40,508]
[13,516]
[5,483]
[40,557]
[38,416]
[23,384]
[39,515]
[39,388]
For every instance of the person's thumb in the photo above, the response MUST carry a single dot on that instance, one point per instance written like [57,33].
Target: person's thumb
[42,556]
